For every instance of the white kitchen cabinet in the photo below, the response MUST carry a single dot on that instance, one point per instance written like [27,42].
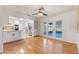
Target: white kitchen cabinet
[17,35]
[9,36]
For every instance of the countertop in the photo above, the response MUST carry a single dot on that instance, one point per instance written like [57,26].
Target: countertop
[10,30]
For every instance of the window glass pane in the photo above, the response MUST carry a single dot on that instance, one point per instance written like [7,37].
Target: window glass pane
[58,25]
[50,29]
[59,22]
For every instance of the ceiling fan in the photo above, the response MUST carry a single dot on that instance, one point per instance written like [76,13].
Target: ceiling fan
[40,12]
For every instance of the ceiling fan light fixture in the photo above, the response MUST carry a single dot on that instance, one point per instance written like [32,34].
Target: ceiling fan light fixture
[40,14]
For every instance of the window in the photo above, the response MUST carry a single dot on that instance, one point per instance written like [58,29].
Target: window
[59,29]
[50,29]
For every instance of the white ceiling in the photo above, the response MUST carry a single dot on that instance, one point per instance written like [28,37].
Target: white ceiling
[49,9]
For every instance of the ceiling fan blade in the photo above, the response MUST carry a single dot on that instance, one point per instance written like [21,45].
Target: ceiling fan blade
[35,14]
[45,14]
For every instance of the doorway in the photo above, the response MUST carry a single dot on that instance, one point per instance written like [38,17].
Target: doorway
[24,25]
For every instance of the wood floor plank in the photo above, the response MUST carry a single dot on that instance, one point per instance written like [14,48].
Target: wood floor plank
[40,45]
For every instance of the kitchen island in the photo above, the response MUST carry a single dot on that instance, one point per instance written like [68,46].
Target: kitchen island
[11,35]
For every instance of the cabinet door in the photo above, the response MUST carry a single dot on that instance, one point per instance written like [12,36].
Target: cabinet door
[4,37]
[10,37]
[7,37]
[17,35]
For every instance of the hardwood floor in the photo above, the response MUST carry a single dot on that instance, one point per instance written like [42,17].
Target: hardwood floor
[39,45]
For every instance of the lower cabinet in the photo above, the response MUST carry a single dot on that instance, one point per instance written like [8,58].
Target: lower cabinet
[11,36]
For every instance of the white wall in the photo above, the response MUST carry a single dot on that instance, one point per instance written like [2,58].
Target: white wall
[69,25]
[78,41]
[1,28]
